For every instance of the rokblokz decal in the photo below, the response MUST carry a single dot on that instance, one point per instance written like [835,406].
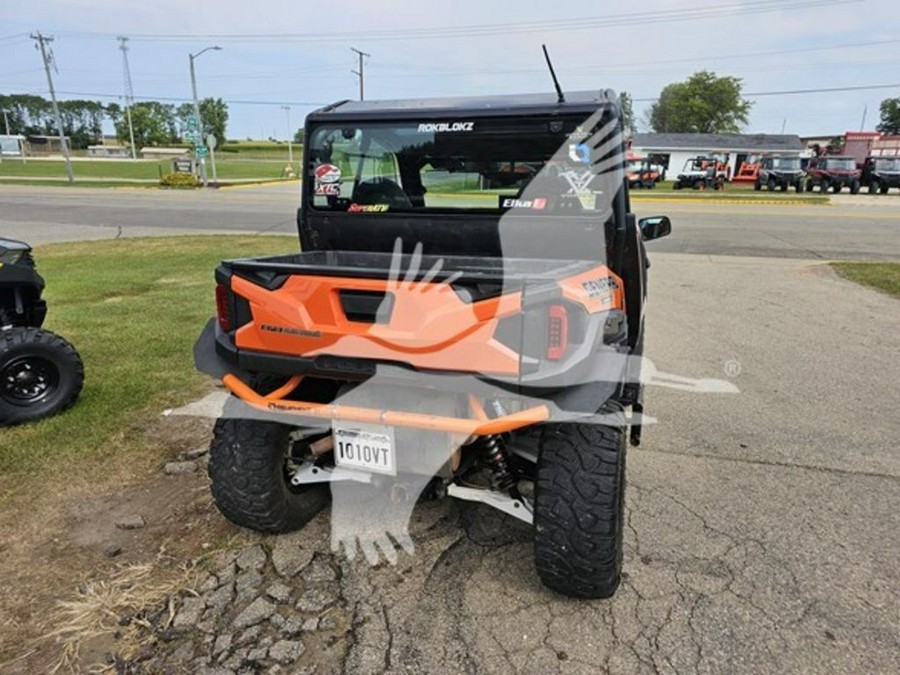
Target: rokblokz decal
[440,127]
[328,173]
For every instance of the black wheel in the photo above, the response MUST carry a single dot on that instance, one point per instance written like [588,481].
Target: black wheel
[799,186]
[41,374]
[837,187]
[824,186]
[757,185]
[770,186]
[248,470]
[784,187]
[854,187]
[884,189]
[809,186]
[579,508]
[873,187]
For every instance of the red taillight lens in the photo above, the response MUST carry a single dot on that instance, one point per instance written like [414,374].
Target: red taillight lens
[223,307]
[557,332]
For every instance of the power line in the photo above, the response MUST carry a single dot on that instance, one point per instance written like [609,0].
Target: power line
[129,91]
[41,42]
[793,92]
[714,11]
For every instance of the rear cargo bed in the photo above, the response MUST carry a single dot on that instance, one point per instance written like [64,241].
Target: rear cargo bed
[356,264]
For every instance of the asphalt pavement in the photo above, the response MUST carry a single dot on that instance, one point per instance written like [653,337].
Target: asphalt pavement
[763,532]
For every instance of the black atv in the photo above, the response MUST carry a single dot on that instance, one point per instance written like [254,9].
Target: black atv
[881,174]
[780,172]
[41,374]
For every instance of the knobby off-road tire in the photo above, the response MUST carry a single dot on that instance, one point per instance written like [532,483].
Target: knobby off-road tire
[41,374]
[579,508]
[249,482]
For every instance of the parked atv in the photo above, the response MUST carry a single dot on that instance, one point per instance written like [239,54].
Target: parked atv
[702,173]
[881,174]
[478,343]
[643,173]
[41,374]
[833,172]
[782,172]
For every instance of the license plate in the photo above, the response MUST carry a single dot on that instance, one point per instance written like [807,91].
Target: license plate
[365,446]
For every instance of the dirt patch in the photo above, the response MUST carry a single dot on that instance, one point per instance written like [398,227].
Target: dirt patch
[73,551]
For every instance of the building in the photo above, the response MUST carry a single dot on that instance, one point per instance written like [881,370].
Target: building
[12,145]
[673,150]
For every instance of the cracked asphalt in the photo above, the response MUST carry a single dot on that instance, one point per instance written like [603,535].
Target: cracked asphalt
[762,533]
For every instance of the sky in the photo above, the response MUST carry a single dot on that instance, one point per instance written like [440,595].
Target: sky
[278,53]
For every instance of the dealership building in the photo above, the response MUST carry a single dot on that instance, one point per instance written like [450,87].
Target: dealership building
[673,150]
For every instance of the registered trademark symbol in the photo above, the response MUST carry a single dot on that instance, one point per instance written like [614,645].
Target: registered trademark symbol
[732,368]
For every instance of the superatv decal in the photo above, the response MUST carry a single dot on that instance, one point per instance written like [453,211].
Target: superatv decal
[290,331]
[368,208]
[440,127]
[327,174]
[513,203]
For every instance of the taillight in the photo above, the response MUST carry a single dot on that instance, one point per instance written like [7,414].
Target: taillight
[223,307]
[557,332]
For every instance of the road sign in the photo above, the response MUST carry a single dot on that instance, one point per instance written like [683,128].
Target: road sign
[211,141]
[201,151]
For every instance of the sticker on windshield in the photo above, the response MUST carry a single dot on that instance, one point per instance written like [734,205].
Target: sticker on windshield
[328,190]
[442,127]
[368,208]
[328,174]
[538,204]
[580,152]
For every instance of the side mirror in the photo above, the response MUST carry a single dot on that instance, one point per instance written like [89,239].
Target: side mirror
[655,227]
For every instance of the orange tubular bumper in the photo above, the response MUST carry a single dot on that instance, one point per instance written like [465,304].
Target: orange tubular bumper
[481,426]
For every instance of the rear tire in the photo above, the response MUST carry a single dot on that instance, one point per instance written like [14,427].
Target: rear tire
[579,508]
[854,187]
[824,186]
[884,189]
[873,187]
[249,480]
[757,185]
[837,188]
[41,374]
[799,186]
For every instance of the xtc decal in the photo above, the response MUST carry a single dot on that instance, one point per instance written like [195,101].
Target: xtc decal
[513,203]
[368,208]
[580,152]
[328,189]
[440,127]
[328,174]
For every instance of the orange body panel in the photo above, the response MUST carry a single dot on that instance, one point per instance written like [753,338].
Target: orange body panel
[430,326]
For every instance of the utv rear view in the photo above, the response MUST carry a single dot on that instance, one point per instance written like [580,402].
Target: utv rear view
[464,320]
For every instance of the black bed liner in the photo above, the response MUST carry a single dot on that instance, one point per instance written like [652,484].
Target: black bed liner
[373,265]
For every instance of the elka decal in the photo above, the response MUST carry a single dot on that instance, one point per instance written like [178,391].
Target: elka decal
[441,127]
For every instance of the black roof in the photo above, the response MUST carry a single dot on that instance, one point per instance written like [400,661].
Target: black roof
[455,107]
[752,142]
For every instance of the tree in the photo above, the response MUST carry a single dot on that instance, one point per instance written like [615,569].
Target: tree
[704,103]
[153,123]
[214,113]
[890,117]
[627,112]
[299,134]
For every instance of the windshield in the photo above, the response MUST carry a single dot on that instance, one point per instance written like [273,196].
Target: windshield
[786,163]
[483,165]
[892,164]
[848,164]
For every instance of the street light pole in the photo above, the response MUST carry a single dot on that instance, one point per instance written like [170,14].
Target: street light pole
[287,109]
[6,119]
[191,57]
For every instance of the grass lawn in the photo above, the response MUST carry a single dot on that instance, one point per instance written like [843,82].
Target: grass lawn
[228,168]
[133,308]
[885,276]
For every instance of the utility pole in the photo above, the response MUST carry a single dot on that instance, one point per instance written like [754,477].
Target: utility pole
[287,109]
[862,125]
[47,55]
[361,73]
[6,119]
[129,91]
[197,111]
